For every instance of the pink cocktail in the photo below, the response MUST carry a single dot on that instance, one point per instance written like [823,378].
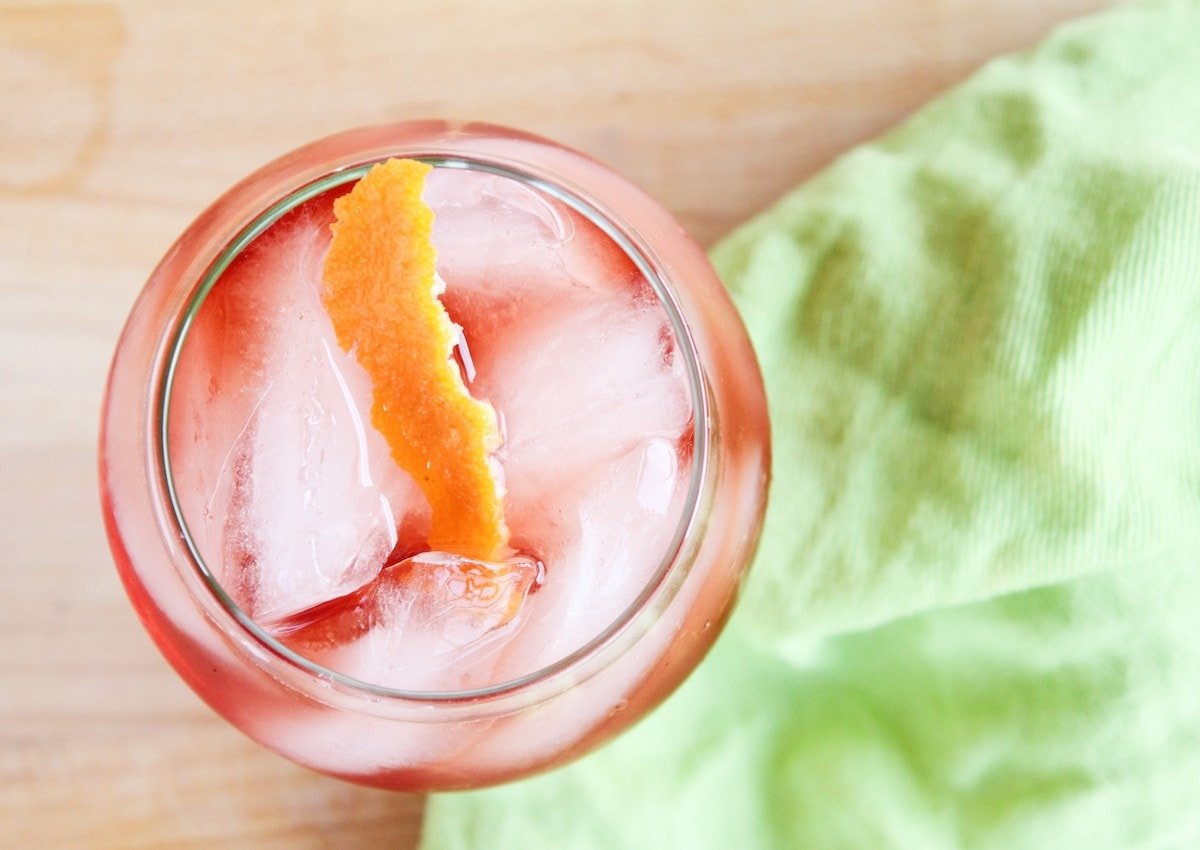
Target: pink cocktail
[279,556]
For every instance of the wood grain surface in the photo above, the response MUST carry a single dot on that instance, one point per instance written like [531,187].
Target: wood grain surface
[120,121]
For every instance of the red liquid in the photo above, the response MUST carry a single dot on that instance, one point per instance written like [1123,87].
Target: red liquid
[408,741]
[295,500]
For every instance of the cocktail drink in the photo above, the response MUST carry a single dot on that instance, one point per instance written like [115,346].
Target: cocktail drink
[433,455]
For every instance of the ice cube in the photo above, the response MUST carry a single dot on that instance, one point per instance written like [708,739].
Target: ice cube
[308,513]
[271,425]
[605,542]
[431,622]
[506,250]
[495,236]
[580,389]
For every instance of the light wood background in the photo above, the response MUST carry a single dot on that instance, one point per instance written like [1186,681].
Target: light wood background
[120,121]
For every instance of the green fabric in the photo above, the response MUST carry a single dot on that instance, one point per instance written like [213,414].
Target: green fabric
[975,616]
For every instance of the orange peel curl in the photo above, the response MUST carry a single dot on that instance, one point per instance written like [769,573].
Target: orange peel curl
[381,292]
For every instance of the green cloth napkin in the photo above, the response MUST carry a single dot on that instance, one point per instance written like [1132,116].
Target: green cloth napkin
[975,616]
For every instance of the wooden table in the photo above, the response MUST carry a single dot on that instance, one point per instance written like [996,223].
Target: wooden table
[119,121]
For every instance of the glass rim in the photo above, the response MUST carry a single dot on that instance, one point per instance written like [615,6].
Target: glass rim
[630,244]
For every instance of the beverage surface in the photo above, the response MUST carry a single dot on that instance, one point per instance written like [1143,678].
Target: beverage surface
[301,512]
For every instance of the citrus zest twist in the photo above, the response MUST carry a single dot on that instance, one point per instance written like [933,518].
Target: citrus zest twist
[381,292]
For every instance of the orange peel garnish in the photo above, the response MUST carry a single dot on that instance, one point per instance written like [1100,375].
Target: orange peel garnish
[381,291]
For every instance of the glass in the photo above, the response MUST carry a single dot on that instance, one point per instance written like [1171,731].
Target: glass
[451,739]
